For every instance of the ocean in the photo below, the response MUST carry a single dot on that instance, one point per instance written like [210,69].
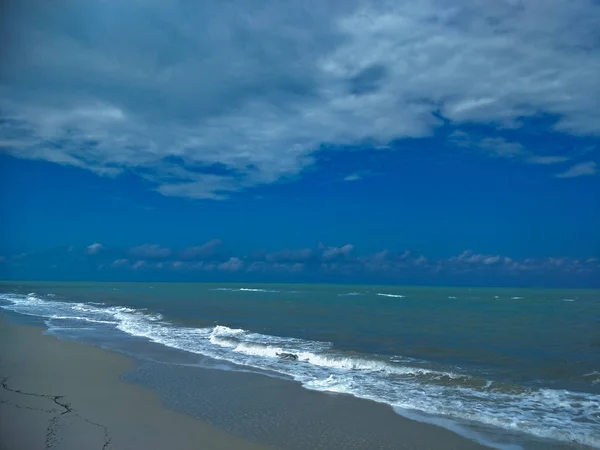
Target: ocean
[511,368]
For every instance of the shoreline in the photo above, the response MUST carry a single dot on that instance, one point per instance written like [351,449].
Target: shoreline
[67,395]
[194,369]
[89,397]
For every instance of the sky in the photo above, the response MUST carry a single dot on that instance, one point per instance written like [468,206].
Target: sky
[439,142]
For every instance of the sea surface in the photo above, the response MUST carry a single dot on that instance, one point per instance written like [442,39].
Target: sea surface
[511,368]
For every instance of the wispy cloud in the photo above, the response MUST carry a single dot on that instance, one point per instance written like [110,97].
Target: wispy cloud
[139,264]
[233,264]
[502,148]
[547,160]
[580,170]
[353,177]
[260,98]
[330,253]
[203,251]
[94,249]
[120,262]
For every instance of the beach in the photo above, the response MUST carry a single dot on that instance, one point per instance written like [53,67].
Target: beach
[197,366]
[67,395]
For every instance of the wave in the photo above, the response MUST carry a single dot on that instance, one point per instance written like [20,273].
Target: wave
[594,377]
[244,290]
[391,295]
[400,382]
[350,294]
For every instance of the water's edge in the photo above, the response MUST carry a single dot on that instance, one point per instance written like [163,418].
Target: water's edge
[404,384]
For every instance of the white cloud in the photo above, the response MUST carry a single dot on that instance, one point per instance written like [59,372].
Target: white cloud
[477,258]
[169,88]
[94,249]
[334,252]
[492,259]
[579,170]
[353,177]
[138,265]
[119,262]
[233,264]
[203,251]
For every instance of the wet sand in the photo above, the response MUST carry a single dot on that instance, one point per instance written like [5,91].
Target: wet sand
[58,394]
[69,396]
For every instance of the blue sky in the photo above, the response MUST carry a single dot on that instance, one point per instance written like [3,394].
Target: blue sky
[436,142]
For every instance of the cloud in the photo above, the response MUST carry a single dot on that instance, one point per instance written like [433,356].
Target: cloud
[150,251]
[546,160]
[203,251]
[322,263]
[330,253]
[94,249]
[139,265]
[170,94]
[287,255]
[502,148]
[120,262]
[232,265]
[353,177]
[469,257]
[275,268]
[579,170]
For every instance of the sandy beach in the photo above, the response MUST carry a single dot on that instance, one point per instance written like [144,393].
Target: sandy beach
[58,394]
[64,395]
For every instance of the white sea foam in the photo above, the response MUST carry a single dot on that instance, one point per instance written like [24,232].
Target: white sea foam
[517,298]
[568,299]
[594,377]
[349,294]
[85,319]
[244,290]
[452,297]
[556,414]
[391,295]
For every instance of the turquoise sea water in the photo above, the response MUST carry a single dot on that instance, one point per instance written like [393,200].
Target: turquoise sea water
[514,362]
